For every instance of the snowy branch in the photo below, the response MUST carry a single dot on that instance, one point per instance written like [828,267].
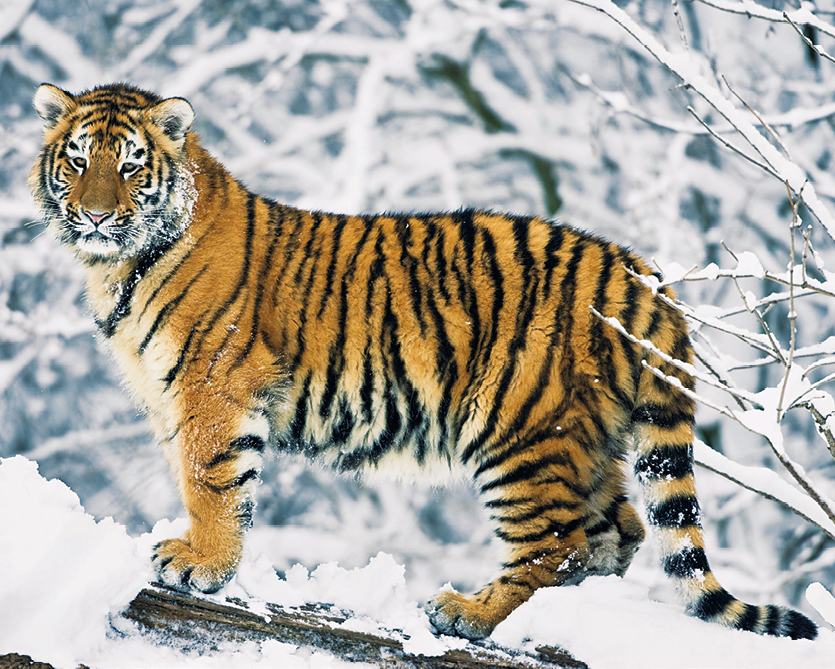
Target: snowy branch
[687,70]
[751,9]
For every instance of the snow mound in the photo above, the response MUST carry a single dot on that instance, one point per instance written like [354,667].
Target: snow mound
[63,573]
[64,576]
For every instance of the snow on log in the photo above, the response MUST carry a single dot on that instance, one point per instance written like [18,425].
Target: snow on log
[193,622]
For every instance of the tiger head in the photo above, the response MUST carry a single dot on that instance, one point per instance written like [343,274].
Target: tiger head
[112,179]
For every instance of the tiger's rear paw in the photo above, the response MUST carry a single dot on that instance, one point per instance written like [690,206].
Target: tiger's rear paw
[182,568]
[458,615]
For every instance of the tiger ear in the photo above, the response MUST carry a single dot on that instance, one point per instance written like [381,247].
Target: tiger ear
[52,103]
[173,116]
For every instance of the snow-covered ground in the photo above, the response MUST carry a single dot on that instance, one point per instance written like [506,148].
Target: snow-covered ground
[64,583]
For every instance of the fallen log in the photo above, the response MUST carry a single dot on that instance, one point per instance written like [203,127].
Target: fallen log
[197,623]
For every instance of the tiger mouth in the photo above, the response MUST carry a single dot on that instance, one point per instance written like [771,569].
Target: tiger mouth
[97,242]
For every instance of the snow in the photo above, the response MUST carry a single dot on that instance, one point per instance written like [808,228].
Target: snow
[332,105]
[76,574]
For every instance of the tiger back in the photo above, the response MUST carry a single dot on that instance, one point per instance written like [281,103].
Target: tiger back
[415,345]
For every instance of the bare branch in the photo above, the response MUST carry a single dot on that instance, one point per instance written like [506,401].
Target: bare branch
[759,118]
[754,161]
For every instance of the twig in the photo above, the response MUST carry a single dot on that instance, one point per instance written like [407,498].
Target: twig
[748,337]
[680,364]
[820,425]
[759,118]
[702,359]
[754,161]
[820,51]
[763,493]
[767,330]
[680,23]
[792,313]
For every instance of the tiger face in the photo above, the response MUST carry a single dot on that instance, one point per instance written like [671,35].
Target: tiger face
[113,183]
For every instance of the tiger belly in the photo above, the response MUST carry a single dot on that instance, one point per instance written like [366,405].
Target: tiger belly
[374,427]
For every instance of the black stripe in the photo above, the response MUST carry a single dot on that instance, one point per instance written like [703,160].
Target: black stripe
[337,238]
[336,359]
[553,528]
[244,274]
[266,264]
[367,388]
[666,462]
[661,416]
[123,305]
[225,456]
[564,317]
[165,312]
[342,431]
[686,563]
[300,417]
[306,292]
[654,323]
[308,248]
[175,370]
[552,258]
[466,231]
[440,261]
[521,239]
[507,501]
[248,475]
[537,511]
[410,265]
[518,582]
[773,621]
[679,511]
[712,604]
[376,271]
[749,618]
[249,442]
[480,352]
[291,245]
[529,470]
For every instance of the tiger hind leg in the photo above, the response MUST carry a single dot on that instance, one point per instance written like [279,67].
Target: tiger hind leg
[614,529]
[536,494]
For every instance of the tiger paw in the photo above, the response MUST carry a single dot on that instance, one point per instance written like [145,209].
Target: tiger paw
[182,568]
[458,615]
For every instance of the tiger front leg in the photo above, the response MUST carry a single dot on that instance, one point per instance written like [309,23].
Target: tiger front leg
[216,476]
[537,501]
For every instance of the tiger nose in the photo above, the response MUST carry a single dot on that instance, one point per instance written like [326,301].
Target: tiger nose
[96,217]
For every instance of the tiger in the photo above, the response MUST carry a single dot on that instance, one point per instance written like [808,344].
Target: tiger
[442,344]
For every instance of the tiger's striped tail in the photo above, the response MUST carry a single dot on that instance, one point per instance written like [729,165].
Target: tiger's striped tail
[662,425]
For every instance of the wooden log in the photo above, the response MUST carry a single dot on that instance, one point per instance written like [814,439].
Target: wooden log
[197,623]
[18,661]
